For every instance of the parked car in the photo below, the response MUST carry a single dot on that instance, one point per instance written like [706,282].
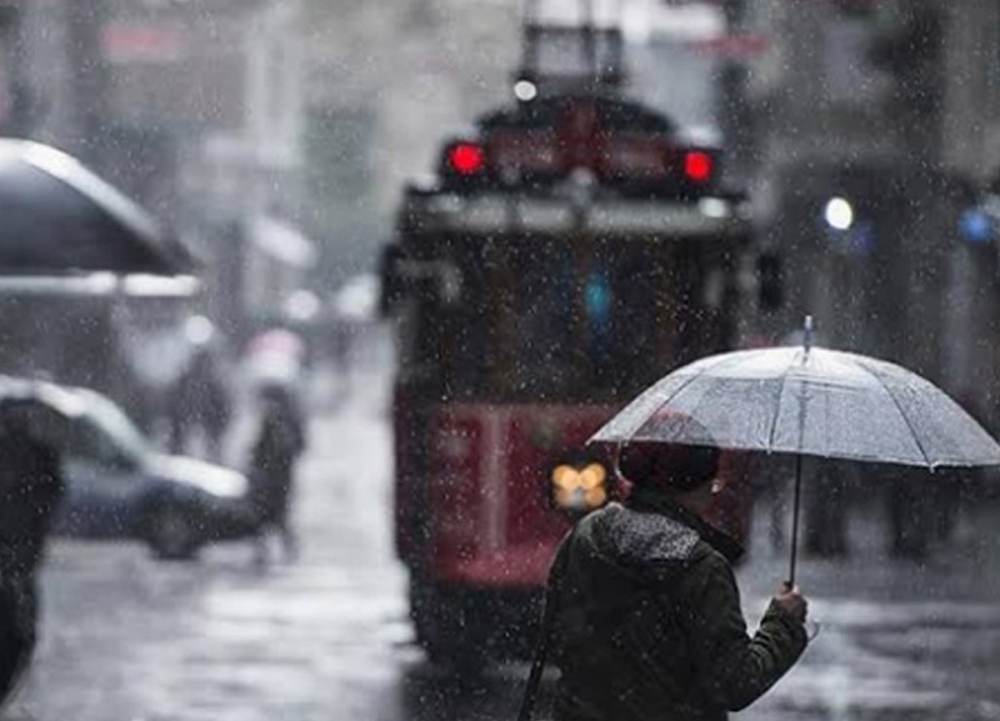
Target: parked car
[119,486]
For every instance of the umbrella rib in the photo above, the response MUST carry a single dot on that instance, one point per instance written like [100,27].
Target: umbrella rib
[694,376]
[899,407]
[777,408]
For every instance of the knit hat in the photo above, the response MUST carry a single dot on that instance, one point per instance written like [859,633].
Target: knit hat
[672,465]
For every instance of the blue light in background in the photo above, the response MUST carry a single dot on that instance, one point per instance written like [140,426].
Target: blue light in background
[975,226]
[598,299]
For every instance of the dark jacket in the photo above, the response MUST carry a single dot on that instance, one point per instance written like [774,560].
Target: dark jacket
[200,397]
[279,443]
[649,624]
[31,487]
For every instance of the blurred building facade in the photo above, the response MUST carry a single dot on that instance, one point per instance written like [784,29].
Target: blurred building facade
[309,113]
[891,107]
[243,122]
[223,115]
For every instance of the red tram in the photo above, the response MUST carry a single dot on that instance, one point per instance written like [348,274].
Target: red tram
[570,254]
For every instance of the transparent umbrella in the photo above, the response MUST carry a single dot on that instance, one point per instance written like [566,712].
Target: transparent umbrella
[806,401]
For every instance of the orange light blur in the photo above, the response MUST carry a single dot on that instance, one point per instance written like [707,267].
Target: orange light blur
[577,489]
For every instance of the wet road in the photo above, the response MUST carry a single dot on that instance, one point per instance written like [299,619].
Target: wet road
[327,637]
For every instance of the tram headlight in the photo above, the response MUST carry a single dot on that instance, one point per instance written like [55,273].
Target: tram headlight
[580,489]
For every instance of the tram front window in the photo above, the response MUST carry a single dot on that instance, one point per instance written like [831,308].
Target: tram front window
[554,321]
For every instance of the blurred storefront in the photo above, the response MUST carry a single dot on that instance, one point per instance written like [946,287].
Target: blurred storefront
[887,113]
[98,333]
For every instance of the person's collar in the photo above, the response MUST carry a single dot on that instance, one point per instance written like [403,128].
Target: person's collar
[650,499]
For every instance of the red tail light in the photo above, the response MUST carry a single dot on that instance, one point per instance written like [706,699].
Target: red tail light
[466,159]
[698,166]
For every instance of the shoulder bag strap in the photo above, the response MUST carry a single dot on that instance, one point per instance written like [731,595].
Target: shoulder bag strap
[552,593]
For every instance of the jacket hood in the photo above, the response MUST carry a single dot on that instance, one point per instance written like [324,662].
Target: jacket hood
[637,537]
[650,500]
[650,529]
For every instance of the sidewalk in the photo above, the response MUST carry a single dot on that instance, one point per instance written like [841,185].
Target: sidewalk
[964,569]
[896,639]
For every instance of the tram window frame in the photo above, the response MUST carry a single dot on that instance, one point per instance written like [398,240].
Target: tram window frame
[455,355]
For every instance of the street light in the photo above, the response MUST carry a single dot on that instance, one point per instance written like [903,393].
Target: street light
[525,91]
[198,330]
[839,214]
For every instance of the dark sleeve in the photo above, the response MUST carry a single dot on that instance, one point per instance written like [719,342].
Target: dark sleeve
[51,481]
[733,669]
[300,434]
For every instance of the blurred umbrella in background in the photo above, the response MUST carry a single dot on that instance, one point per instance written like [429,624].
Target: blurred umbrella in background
[58,218]
[275,356]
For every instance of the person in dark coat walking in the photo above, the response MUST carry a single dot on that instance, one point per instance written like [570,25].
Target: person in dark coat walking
[648,624]
[280,441]
[199,399]
[31,487]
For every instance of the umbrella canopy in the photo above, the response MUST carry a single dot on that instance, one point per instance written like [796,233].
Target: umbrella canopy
[810,401]
[58,217]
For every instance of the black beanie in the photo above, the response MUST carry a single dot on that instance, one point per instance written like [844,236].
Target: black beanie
[668,465]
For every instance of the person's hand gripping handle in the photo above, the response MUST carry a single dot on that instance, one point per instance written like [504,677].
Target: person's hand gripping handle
[792,602]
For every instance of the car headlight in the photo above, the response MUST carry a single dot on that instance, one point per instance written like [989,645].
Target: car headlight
[580,489]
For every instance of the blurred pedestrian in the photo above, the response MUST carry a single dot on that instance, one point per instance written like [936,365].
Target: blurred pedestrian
[645,610]
[910,512]
[826,511]
[199,401]
[949,490]
[280,441]
[31,487]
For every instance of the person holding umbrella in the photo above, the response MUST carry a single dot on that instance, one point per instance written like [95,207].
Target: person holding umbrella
[642,586]
[648,622]
[808,401]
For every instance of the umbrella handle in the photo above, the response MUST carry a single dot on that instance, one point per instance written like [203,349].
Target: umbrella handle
[790,583]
